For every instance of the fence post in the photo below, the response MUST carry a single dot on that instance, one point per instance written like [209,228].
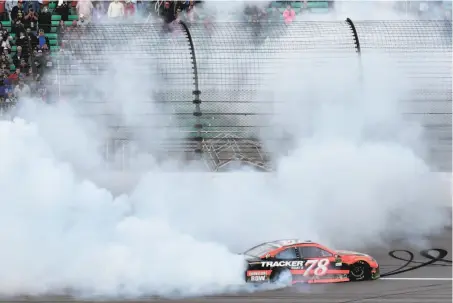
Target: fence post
[196,93]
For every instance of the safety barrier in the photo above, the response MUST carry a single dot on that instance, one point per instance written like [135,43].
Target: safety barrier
[211,81]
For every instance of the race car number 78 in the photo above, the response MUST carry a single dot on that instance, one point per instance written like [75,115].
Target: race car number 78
[320,270]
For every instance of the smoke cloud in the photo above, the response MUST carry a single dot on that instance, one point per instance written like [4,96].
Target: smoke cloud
[354,176]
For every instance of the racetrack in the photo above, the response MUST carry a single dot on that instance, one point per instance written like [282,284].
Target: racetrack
[427,283]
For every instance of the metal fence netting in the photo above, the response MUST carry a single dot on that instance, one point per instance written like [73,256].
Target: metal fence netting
[234,64]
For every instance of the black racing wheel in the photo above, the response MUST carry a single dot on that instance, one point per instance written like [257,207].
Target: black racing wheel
[359,271]
[282,276]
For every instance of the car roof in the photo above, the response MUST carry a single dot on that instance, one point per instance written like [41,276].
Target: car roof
[288,242]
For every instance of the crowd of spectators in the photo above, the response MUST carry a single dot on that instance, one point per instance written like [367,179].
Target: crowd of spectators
[25,52]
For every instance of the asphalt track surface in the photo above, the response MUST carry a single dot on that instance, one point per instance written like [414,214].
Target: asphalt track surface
[428,284]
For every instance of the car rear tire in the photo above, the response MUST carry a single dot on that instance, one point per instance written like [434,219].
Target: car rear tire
[359,271]
[282,276]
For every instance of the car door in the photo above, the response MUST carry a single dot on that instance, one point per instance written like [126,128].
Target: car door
[317,261]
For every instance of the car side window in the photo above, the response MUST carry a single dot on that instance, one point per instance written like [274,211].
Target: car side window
[313,252]
[287,254]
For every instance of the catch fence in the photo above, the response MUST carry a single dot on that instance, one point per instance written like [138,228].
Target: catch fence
[213,89]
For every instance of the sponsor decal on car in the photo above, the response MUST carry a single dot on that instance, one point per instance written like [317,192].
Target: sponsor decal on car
[258,275]
[282,264]
[316,267]
[258,278]
[258,272]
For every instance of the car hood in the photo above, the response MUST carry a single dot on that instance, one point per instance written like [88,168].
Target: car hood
[351,253]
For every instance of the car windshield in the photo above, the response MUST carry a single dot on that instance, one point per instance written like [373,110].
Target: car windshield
[260,250]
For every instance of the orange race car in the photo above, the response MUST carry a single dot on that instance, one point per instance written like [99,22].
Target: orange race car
[306,261]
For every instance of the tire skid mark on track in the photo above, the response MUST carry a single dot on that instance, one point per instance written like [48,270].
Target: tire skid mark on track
[434,260]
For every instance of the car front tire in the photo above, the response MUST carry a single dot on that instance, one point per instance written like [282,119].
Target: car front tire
[359,271]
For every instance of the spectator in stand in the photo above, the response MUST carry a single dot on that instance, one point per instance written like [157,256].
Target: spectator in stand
[3,91]
[259,14]
[116,10]
[42,39]
[98,12]
[289,15]
[23,66]
[4,82]
[7,98]
[140,7]
[14,77]
[17,12]
[191,12]
[4,71]
[42,4]
[31,4]
[129,8]
[3,11]
[17,17]
[22,41]
[31,19]
[45,19]
[61,30]
[46,61]
[85,10]
[29,77]
[63,9]
[18,56]
[42,63]
[10,99]
[32,37]
[5,58]
[168,12]
[82,20]
[44,49]
[22,90]
[9,4]
[5,43]
[36,66]
[4,75]
[4,31]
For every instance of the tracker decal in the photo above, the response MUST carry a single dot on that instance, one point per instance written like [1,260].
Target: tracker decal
[283,264]
[317,267]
